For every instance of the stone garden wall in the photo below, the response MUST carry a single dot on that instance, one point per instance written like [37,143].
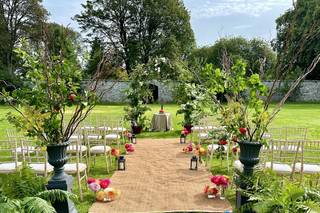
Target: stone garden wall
[114,91]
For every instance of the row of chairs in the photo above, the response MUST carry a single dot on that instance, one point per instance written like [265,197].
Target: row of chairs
[87,143]
[289,152]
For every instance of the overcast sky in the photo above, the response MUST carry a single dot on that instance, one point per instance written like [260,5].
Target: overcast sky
[210,19]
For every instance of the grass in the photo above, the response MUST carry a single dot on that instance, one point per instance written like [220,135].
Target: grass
[292,115]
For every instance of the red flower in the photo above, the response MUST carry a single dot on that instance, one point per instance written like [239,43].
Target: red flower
[214,191]
[234,149]
[127,145]
[243,131]
[104,183]
[223,142]
[91,180]
[206,189]
[224,181]
[215,180]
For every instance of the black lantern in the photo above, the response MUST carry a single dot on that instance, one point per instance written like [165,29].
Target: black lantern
[133,139]
[182,138]
[121,163]
[194,163]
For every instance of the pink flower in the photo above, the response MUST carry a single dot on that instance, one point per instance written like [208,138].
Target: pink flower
[94,186]
[105,183]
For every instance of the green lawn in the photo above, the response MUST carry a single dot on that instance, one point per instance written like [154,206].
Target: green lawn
[292,115]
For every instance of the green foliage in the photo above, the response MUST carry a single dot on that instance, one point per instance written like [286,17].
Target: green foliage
[242,93]
[24,192]
[18,19]
[64,41]
[22,184]
[298,34]
[192,103]
[141,30]
[270,193]
[51,85]
[138,94]
[252,52]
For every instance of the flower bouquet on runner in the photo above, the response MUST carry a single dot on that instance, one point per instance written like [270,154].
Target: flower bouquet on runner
[189,148]
[103,192]
[222,183]
[129,148]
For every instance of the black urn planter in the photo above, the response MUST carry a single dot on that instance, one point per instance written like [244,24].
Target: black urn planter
[249,157]
[57,157]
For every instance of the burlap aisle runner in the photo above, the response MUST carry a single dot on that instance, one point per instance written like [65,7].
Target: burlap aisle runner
[158,179]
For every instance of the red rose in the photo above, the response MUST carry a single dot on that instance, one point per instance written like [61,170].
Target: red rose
[243,131]
[104,183]
[91,180]
[234,149]
[214,191]
[127,145]
[223,142]
[224,181]
[72,97]
[215,179]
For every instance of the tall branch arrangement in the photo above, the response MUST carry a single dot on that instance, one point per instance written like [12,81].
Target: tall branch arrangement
[247,113]
[52,103]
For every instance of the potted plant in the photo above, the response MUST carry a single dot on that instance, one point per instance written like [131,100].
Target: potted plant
[138,93]
[50,106]
[192,104]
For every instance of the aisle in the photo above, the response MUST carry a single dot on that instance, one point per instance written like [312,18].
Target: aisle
[158,179]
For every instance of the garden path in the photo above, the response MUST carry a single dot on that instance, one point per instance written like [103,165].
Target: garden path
[158,179]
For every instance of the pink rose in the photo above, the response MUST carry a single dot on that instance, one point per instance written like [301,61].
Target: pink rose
[94,186]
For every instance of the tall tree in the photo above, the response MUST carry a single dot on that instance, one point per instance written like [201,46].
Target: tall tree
[298,35]
[62,40]
[19,18]
[138,30]
[255,53]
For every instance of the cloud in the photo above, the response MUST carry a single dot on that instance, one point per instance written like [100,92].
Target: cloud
[213,8]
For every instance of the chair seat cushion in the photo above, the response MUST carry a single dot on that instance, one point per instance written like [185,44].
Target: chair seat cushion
[73,148]
[100,149]
[203,135]
[8,167]
[308,168]
[20,150]
[76,137]
[112,136]
[71,168]
[39,168]
[104,128]
[87,128]
[238,165]
[94,137]
[280,168]
[119,129]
